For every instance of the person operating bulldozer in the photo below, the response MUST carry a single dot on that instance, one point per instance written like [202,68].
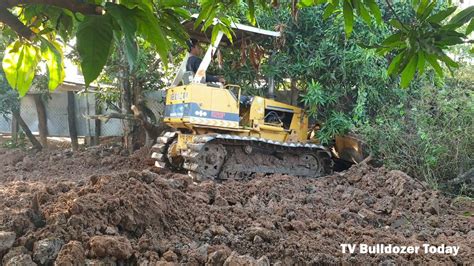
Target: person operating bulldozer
[194,61]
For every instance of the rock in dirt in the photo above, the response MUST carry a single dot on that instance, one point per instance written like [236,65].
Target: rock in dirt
[45,251]
[102,262]
[264,233]
[237,260]
[17,256]
[384,205]
[71,254]
[170,256]
[218,257]
[110,246]
[6,241]
[432,206]
[20,260]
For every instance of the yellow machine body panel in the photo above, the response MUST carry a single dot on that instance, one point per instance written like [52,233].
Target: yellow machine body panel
[201,105]
[278,121]
[204,109]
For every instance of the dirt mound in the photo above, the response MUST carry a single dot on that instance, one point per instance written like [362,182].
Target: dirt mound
[18,165]
[145,217]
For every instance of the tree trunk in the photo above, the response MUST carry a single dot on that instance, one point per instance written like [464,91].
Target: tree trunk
[294,93]
[42,120]
[15,130]
[138,134]
[126,100]
[153,131]
[27,131]
[134,137]
[71,118]
[98,123]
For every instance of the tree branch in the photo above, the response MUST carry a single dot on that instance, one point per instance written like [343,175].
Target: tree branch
[15,24]
[396,15]
[106,117]
[74,6]
[152,130]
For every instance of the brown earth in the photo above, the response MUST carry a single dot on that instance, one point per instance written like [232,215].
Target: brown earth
[102,207]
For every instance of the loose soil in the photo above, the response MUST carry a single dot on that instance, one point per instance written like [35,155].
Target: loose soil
[102,206]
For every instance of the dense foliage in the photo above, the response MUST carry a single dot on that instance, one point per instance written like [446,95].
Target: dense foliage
[339,82]
[95,23]
[429,133]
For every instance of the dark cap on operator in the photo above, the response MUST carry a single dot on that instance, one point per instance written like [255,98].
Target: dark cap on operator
[191,43]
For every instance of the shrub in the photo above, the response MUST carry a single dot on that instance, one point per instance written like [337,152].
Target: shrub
[428,135]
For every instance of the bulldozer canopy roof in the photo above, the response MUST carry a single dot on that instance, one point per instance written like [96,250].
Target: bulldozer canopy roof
[241,32]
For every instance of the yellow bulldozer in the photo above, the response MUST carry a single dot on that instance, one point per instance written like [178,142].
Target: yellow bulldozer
[220,134]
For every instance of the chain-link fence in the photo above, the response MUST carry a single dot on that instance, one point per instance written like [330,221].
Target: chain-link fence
[85,105]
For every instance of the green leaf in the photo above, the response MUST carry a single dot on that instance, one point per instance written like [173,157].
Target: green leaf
[51,52]
[395,64]
[251,12]
[470,27]
[220,28]
[434,63]
[464,16]
[19,64]
[409,72]
[395,23]
[441,15]
[182,12]
[215,31]
[421,8]
[94,40]
[173,27]
[446,40]
[207,7]
[394,38]
[363,13]
[448,61]
[173,3]
[329,10]
[428,11]
[348,13]
[306,3]
[126,19]
[374,8]
[149,28]
[227,31]
[421,63]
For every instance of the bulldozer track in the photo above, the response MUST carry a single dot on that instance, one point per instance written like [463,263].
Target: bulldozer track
[160,152]
[224,157]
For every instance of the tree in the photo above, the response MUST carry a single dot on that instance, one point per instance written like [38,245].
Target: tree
[339,82]
[98,30]
[11,106]
[419,40]
[95,23]
[94,26]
